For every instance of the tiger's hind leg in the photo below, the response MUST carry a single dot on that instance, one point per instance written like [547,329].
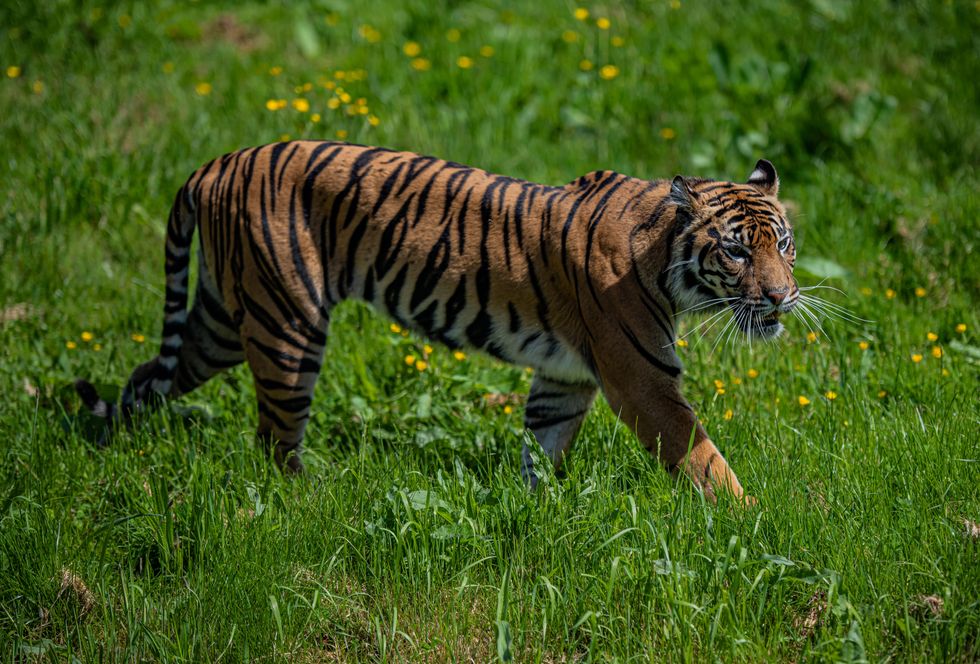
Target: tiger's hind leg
[554,414]
[285,366]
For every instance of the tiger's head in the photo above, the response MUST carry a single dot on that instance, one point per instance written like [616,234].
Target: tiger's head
[734,249]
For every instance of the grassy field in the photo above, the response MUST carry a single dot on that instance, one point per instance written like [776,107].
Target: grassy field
[411,538]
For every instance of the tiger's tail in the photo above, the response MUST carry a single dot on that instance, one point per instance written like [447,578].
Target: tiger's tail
[153,380]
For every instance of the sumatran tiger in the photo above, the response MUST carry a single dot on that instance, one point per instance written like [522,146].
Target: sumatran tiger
[583,282]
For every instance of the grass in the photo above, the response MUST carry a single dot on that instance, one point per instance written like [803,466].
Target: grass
[411,537]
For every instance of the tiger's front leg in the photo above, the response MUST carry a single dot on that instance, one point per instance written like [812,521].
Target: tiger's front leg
[554,414]
[652,405]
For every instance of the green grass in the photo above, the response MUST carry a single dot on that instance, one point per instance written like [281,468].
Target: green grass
[411,537]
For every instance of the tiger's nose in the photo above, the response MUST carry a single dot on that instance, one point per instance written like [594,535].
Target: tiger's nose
[776,296]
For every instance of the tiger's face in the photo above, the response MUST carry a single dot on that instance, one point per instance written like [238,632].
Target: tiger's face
[735,251]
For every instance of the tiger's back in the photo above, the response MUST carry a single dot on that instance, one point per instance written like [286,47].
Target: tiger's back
[573,281]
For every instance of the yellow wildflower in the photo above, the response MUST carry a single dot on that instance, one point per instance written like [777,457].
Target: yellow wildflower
[931,336]
[285,138]
[203,88]
[569,36]
[882,394]
[508,410]
[865,290]
[961,328]
[937,352]
[96,347]
[459,355]
[341,134]
[427,349]
[945,372]
[585,65]
[581,13]
[410,360]
[421,64]
[137,337]
[453,35]
[374,120]
[830,394]
[609,72]
[890,294]
[87,336]
[603,23]
[811,337]
[920,292]
[464,62]
[168,67]
[395,328]
[421,365]
[752,373]
[719,391]
[736,381]
[272,105]
[863,345]
[71,345]
[617,41]
[125,21]
[682,343]
[315,118]
[370,34]
[411,49]
[916,357]
[37,87]
[719,384]
[802,400]
[728,414]
[301,105]
[333,103]
[487,51]
[333,18]
[344,96]
[275,71]
[675,4]
[667,134]
[13,71]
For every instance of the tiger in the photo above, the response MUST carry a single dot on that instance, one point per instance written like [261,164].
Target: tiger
[584,283]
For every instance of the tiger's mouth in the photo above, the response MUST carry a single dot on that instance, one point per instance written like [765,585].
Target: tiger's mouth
[765,325]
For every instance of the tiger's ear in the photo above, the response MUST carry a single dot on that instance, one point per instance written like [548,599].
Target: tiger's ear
[681,193]
[764,178]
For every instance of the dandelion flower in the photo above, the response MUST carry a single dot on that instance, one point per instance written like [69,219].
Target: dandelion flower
[13,71]
[882,394]
[71,345]
[275,71]
[609,72]
[203,88]
[333,103]
[752,373]
[96,347]
[137,337]
[890,294]
[487,51]
[168,67]
[920,292]
[37,87]
[830,394]
[581,13]
[315,118]
[427,349]
[341,134]
[736,381]
[453,35]
[668,134]
[395,328]
[464,62]
[728,415]
[421,64]
[284,138]
[87,336]
[459,355]
[675,4]
[937,352]
[916,357]
[603,23]
[617,41]
[932,336]
[682,343]
[569,36]
[811,337]
[301,105]
[410,360]
[719,384]
[961,328]
[374,120]
[802,400]
[411,49]
[585,65]
[421,365]
[508,410]
[272,105]
[863,345]
[865,290]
